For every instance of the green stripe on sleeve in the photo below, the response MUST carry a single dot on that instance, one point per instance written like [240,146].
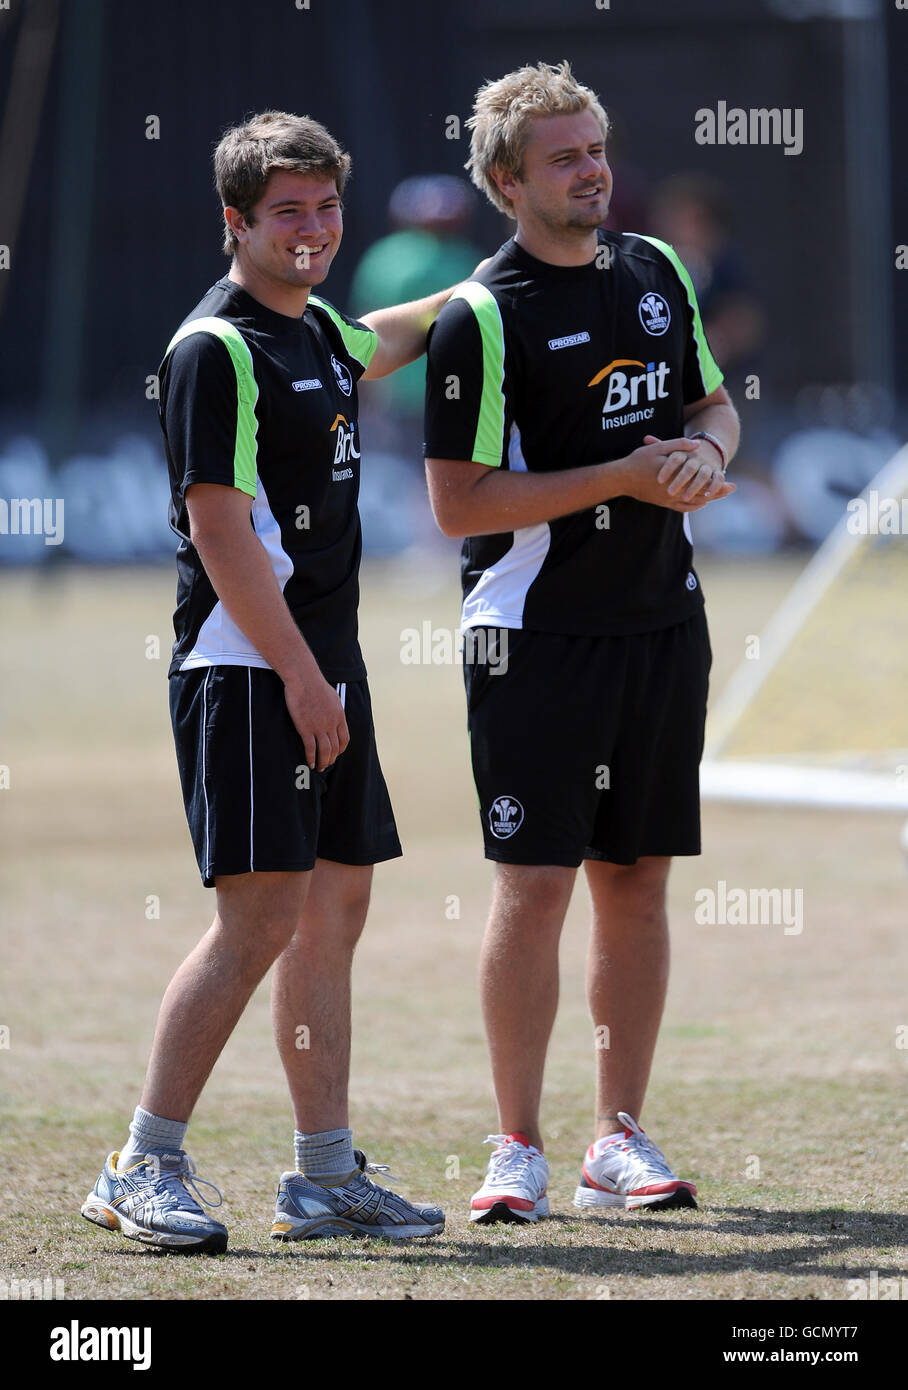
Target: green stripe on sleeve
[709,370]
[359,342]
[490,425]
[246,449]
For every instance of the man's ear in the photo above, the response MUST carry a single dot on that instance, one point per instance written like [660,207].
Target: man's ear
[236,222]
[505,182]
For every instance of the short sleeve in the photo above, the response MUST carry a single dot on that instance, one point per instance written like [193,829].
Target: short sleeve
[207,408]
[465,400]
[701,371]
[358,339]
[701,374]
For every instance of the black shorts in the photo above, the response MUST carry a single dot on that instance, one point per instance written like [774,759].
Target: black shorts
[589,747]
[252,802]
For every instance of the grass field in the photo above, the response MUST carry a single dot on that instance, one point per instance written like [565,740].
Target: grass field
[779,1085]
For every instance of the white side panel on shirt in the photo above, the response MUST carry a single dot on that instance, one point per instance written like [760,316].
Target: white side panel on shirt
[220,642]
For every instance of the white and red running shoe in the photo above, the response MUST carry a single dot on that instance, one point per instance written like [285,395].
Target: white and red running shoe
[515,1184]
[628,1171]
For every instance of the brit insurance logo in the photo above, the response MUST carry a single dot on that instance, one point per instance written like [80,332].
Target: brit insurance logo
[342,376]
[655,315]
[639,390]
[344,448]
[505,817]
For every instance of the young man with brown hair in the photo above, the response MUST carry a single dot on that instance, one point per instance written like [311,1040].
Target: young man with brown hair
[283,789]
[574,414]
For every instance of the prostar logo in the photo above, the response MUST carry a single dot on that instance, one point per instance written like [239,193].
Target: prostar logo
[632,388]
[570,340]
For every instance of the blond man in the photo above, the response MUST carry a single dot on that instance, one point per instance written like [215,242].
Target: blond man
[574,415]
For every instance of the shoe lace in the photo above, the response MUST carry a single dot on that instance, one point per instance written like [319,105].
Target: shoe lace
[379,1168]
[508,1155]
[171,1169]
[644,1149]
[366,1167]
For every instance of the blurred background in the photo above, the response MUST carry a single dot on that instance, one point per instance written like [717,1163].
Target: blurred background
[111,231]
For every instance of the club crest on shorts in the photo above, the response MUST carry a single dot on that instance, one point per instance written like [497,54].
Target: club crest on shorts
[342,375]
[505,817]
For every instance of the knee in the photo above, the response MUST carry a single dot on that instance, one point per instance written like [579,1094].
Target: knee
[335,923]
[640,886]
[352,911]
[257,944]
[533,893]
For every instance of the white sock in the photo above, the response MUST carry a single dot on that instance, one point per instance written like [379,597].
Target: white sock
[151,1134]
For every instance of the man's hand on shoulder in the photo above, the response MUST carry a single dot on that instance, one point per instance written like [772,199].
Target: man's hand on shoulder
[401,332]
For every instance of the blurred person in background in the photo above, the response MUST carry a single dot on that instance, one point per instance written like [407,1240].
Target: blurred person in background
[627,209]
[429,245]
[693,213]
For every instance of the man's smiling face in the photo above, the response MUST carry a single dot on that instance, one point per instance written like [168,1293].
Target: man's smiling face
[565,182]
[294,233]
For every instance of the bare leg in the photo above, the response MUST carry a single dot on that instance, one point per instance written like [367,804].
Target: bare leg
[519,985]
[627,978]
[256,915]
[310,996]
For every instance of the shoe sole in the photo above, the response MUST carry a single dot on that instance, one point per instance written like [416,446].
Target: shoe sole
[665,1201]
[320,1227]
[109,1220]
[501,1212]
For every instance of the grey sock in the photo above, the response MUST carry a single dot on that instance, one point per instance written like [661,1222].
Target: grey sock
[151,1133]
[325,1158]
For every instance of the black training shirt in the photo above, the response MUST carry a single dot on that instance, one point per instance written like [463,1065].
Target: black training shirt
[266,403]
[538,367]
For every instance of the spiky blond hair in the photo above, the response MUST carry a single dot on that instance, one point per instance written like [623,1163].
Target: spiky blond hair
[501,118]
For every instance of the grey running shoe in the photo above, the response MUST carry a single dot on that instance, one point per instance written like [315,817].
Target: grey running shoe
[151,1202]
[359,1207]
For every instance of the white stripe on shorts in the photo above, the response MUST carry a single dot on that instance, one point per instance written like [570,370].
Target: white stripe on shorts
[205,765]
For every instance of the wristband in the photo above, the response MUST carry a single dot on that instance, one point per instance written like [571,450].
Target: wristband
[702,434]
